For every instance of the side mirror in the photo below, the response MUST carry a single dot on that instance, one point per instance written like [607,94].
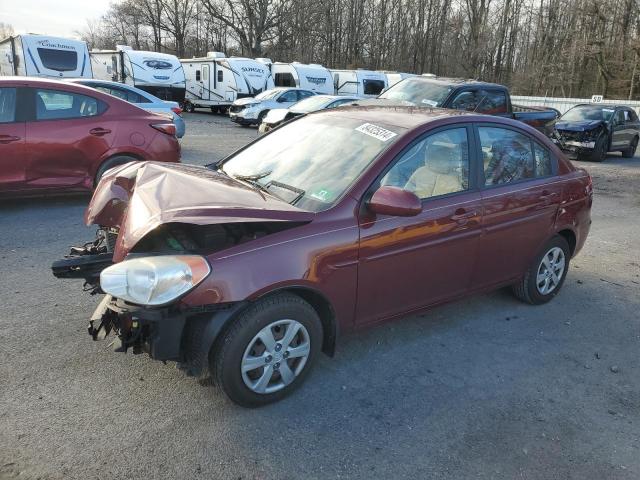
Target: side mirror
[394,201]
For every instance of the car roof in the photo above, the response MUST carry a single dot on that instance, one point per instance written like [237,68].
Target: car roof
[408,117]
[457,81]
[602,105]
[50,83]
[94,81]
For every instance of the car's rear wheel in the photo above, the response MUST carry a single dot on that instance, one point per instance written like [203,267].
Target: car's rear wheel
[546,274]
[600,150]
[631,151]
[110,163]
[189,107]
[268,350]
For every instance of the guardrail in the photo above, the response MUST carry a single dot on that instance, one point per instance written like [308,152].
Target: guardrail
[564,104]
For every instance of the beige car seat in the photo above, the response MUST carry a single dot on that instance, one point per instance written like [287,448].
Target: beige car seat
[438,176]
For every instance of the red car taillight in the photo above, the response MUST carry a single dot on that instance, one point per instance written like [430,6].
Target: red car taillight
[168,128]
[176,110]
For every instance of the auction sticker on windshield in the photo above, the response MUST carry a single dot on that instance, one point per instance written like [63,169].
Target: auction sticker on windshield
[431,103]
[375,131]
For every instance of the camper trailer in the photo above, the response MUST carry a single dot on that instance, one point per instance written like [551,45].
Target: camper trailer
[160,74]
[312,77]
[216,81]
[44,56]
[364,83]
[395,77]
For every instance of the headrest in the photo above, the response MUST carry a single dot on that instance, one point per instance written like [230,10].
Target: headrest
[439,159]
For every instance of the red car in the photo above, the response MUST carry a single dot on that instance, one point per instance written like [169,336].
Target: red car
[57,136]
[338,220]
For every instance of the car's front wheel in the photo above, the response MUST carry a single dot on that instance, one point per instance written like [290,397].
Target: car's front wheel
[545,276]
[268,350]
[600,150]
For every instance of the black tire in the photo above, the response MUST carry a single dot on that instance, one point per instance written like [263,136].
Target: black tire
[600,150]
[631,151]
[527,289]
[189,107]
[261,116]
[110,163]
[225,358]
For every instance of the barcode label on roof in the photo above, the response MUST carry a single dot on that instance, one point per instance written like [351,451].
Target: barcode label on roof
[374,131]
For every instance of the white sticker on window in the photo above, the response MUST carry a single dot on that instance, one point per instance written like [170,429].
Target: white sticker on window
[374,131]
[431,103]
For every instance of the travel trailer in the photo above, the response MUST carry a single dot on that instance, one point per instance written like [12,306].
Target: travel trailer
[312,77]
[364,83]
[216,81]
[160,74]
[44,56]
[395,77]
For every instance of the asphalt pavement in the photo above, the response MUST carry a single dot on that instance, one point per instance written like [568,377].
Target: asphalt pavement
[484,388]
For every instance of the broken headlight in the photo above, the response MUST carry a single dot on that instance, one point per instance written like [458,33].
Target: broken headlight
[154,280]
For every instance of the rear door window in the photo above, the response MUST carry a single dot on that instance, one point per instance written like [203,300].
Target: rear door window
[7,105]
[57,104]
[58,60]
[507,156]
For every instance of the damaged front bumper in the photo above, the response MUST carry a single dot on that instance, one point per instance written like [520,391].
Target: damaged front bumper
[154,331]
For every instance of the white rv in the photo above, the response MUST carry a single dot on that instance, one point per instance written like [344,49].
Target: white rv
[395,77]
[160,74]
[216,81]
[364,83]
[312,77]
[44,56]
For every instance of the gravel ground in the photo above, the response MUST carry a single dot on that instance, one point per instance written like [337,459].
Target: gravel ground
[483,388]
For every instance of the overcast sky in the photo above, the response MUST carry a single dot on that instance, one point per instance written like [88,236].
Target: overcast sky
[50,17]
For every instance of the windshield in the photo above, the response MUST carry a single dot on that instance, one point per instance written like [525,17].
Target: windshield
[311,104]
[312,161]
[267,94]
[419,92]
[587,112]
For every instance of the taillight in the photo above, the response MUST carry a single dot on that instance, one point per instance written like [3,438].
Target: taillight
[176,110]
[168,128]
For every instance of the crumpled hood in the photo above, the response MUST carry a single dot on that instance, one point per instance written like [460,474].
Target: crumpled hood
[140,196]
[246,101]
[578,126]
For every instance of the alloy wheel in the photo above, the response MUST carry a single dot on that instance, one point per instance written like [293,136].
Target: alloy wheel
[275,356]
[550,271]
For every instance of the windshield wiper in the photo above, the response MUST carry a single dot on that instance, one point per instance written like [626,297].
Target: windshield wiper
[254,177]
[300,193]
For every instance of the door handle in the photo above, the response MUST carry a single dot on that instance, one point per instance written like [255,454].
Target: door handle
[99,131]
[462,217]
[8,138]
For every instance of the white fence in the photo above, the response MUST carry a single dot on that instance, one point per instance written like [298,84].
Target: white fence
[564,104]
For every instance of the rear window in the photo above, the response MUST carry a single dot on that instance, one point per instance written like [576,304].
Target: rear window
[58,60]
[7,105]
[57,104]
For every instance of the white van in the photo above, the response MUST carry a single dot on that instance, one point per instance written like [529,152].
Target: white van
[44,56]
[364,83]
[160,74]
[216,81]
[312,77]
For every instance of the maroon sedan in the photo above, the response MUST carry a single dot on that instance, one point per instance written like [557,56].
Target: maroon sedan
[56,136]
[342,219]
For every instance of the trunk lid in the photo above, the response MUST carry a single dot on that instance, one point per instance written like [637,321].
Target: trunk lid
[138,197]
